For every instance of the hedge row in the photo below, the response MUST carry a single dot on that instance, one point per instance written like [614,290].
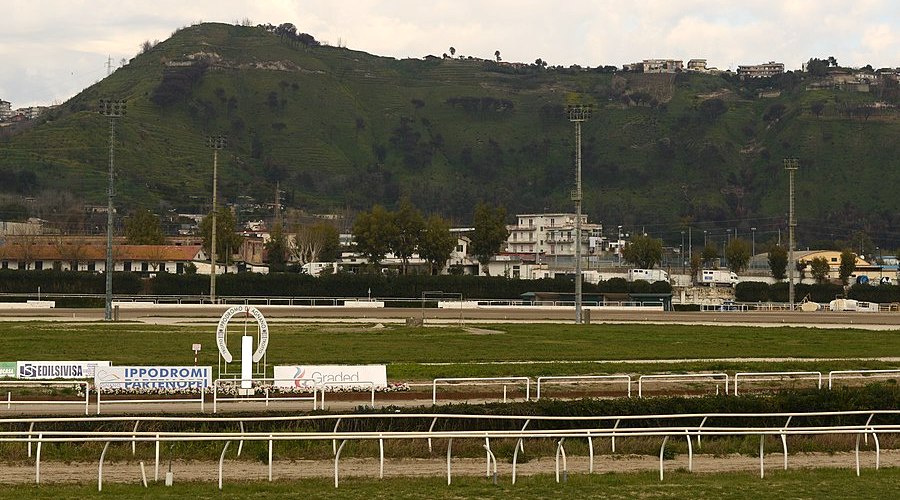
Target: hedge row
[299,285]
[757,291]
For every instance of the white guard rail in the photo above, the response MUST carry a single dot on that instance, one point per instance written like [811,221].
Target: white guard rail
[505,381]
[582,378]
[86,387]
[360,384]
[199,387]
[682,377]
[220,383]
[768,376]
[677,428]
[836,374]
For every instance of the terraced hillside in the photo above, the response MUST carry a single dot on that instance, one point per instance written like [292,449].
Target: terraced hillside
[345,129]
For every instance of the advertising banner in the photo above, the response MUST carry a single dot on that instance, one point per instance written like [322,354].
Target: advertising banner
[153,377]
[37,370]
[307,375]
[7,369]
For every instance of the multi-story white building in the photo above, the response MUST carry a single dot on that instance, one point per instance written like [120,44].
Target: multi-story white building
[552,235]
[662,65]
[771,68]
[5,110]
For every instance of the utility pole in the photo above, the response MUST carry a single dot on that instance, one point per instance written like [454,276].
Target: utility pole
[216,142]
[577,114]
[112,109]
[753,240]
[791,165]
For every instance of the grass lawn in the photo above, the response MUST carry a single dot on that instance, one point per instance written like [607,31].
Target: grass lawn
[407,351]
[819,483]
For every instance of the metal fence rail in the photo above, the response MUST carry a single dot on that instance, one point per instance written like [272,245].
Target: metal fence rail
[482,381]
[85,385]
[836,374]
[768,376]
[676,428]
[582,378]
[250,396]
[681,377]
[199,387]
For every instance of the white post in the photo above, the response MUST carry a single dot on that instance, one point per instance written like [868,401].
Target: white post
[246,362]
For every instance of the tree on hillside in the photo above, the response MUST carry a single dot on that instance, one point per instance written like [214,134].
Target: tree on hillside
[227,239]
[643,251]
[778,260]
[817,107]
[819,268]
[848,265]
[816,67]
[373,232]
[143,228]
[452,51]
[490,232]
[710,255]
[277,249]
[712,109]
[738,254]
[497,55]
[408,226]
[437,243]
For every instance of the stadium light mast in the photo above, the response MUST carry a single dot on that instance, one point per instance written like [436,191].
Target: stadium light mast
[112,109]
[216,142]
[577,114]
[791,165]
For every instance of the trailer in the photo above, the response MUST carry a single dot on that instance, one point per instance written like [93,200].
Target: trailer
[650,275]
[716,277]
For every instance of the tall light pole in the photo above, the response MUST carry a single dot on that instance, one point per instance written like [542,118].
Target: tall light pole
[112,109]
[577,114]
[791,165]
[753,240]
[216,142]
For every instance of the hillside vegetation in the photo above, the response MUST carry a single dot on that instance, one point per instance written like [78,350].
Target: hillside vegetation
[341,129]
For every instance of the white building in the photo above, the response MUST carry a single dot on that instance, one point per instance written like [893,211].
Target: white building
[552,235]
[5,110]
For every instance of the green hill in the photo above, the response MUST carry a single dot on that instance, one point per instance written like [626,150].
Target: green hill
[342,129]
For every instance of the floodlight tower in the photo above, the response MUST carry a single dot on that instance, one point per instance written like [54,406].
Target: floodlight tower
[112,109]
[216,142]
[791,165]
[577,114]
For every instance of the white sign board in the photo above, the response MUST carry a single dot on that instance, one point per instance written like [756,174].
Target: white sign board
[222,330]
[153,377]
[36,370]
[306,375]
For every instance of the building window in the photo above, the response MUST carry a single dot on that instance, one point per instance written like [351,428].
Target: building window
[126,266]
[92,266]
[162,267]
[179,268]
[459,248]
[4,265]
[38,265]
[145,267]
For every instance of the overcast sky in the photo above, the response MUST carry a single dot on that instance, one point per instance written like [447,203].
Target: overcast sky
[52,49]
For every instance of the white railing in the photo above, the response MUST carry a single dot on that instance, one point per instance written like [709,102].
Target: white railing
[192,384]
[362,383]
[771,376]
[677,428]
[583,378]
[505,381]
[251,395]
[85,386]
[861,373]
[682,377]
